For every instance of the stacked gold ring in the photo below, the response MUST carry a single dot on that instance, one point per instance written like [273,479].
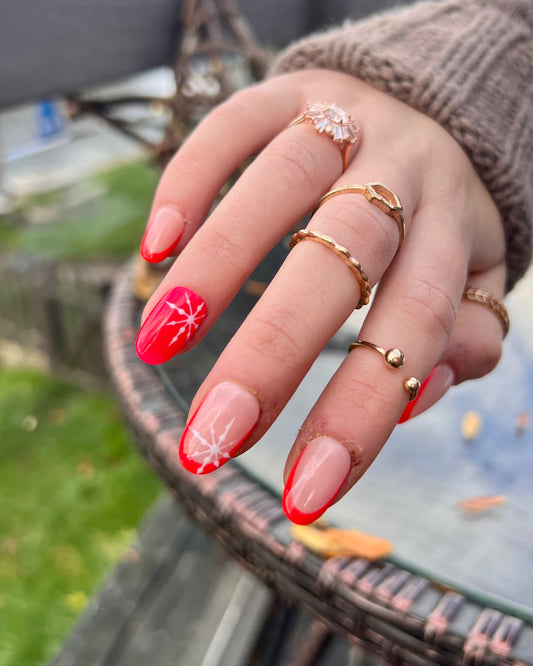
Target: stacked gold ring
[344,254]
[378,195]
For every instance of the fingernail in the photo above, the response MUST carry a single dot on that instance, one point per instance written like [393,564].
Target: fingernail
[218,428]
[171,324]
[315,480]
[432,389]
[162,235]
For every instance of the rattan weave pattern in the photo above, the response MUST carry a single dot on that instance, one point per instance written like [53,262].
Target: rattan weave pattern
[404,618]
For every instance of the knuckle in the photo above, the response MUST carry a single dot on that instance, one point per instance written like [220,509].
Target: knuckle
[366,387]
[294,161]
[185,166]
[427,302]
[364,227]
[223,250]
[473,358]
[232,111]
[272,338]
[489,354]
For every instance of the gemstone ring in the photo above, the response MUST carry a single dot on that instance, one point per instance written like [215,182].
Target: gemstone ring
[335,122]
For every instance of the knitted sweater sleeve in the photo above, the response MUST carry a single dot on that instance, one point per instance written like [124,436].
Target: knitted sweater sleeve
[468,64]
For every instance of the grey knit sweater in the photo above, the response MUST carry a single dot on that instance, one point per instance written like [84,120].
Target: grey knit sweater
[469,65]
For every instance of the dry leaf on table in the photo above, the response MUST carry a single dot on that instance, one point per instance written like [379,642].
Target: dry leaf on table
[336,542]
[471,426]
[481,503]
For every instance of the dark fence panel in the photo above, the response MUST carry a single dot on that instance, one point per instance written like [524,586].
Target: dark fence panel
[56,308]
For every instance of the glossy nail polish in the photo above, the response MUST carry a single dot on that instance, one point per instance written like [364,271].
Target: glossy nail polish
[432,389]
[162,234]
[171,324]
[315,480]
[218,428]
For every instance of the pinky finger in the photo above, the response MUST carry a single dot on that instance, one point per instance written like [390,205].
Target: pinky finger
[474,348]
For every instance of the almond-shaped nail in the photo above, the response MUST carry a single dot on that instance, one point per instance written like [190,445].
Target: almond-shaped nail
[218,428]
[171,324]
[432,389]
[315,480]
[162,234]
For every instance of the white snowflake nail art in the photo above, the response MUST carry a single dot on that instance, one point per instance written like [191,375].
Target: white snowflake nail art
[190,319]
[218,428]
[212,450]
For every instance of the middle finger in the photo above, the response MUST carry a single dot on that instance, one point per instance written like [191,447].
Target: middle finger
[304,305]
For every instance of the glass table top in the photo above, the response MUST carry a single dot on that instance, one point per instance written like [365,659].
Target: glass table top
[412,493]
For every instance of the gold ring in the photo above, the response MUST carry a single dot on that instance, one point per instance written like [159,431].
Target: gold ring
[485,298]
[394,358]
[337,124]
[344,254]
[378,195]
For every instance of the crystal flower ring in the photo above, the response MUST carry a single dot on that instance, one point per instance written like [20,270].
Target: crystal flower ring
[332,120]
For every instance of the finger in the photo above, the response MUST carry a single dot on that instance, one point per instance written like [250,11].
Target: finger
[296,316]
[298,165]
[414,311]
[474,348]
[231,133]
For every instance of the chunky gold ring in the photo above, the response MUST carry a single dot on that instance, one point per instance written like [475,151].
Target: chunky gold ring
[395,358]
[378,195]
[485,298]
[344,254]
[337,124]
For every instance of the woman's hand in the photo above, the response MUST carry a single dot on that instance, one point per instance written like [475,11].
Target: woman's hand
[453,236]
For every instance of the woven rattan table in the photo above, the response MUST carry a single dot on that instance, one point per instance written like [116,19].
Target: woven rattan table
[459,587]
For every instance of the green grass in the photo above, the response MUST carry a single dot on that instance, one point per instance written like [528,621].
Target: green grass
[112,230]
[73,491]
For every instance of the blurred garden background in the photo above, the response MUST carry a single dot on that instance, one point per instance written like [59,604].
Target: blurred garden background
[74,488]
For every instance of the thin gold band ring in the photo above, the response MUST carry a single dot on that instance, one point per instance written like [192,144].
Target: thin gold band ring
[378,195]
[344,254]
[484,297]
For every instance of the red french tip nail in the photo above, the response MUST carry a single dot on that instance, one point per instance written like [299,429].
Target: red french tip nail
[315,480]
[218,428]
[154,257]
[406,414]
[292,513]
[162,235]
[170,326]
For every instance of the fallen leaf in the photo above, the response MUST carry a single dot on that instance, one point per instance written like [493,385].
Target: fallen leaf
[521,422]
[57,415]
[9,546]
[85,469]
[75,601]
[481,503]
[254,287]
[337,542]
[471,426]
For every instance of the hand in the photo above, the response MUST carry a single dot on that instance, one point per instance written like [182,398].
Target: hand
[453,236]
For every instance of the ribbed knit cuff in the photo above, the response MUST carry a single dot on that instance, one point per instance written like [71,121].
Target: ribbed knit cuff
[469,66]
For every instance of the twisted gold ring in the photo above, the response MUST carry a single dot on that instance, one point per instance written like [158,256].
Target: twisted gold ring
[344,254]
[394,358]
[378,195]
[337,124]
[485,298]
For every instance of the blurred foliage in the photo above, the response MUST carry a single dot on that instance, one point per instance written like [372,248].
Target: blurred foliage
[111,228]
[73,492]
